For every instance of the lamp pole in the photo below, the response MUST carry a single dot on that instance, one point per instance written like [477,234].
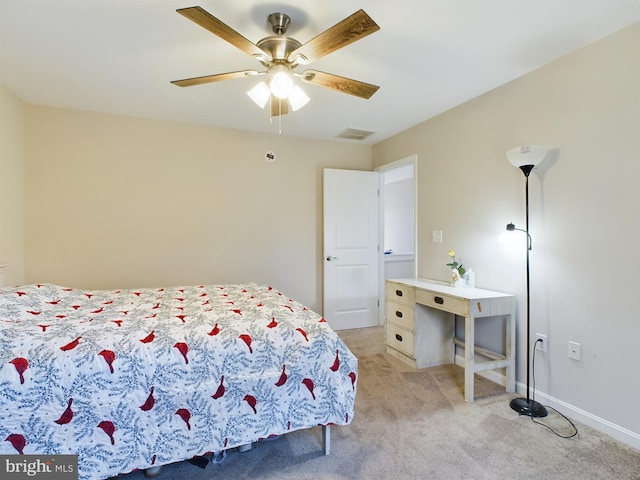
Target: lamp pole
[527,406]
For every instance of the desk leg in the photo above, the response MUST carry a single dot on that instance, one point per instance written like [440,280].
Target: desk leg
[510,370]
[469,357]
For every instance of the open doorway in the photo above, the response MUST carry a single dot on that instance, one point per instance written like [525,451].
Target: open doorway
[398,214]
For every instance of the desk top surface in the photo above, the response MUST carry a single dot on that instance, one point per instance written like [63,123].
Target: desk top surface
[445,288]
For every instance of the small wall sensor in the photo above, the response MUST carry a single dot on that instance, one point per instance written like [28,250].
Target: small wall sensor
[270,157]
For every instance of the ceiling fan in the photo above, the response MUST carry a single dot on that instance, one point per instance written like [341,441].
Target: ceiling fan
[281,54]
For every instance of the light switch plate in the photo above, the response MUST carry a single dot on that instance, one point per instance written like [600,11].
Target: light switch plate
[436,236]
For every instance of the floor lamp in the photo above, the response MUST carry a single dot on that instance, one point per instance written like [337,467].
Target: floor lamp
[526,158]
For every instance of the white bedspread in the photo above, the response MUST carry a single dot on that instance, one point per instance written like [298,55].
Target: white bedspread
[129,379]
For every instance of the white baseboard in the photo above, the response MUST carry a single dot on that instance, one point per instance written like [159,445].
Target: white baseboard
[600,424]
[597,423]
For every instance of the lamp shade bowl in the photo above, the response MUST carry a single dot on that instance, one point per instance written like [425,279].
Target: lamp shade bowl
[526,155]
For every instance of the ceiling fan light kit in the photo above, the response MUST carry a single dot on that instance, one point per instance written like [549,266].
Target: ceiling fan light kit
[281,54]
[261,94]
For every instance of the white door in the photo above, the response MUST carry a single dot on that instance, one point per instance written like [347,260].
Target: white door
[351,238]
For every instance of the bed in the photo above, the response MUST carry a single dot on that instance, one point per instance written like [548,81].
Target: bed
[138,378]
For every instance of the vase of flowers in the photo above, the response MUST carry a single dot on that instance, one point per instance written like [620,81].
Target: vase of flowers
[457,270]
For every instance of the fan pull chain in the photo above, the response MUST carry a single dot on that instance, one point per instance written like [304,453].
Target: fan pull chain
[279,116]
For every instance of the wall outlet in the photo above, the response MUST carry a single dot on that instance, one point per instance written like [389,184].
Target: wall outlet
[541,342]
[436,236]
[575,350]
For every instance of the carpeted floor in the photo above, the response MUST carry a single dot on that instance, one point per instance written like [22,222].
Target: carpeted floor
[414,424]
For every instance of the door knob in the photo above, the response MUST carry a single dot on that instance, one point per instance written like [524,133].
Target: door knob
[331,258]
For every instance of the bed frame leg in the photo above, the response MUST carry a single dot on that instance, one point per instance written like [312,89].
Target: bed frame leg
[152,472]
[326,439]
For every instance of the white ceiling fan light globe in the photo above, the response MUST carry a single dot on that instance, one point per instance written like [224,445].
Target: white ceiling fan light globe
[298,98]
[281,85]
[260,94]
[281,82]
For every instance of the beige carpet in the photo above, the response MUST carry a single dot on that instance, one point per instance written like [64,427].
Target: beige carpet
[414,424]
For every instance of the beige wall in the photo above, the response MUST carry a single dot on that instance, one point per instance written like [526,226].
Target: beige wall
[12,188]
[584,216]
[123,202]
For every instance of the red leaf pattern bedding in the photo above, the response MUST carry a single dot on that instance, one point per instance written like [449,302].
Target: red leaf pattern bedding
[128,379]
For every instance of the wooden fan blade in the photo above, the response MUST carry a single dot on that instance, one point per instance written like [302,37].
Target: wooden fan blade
[352,28]
[279,106]
[341,84]
[206,20]
[189,82]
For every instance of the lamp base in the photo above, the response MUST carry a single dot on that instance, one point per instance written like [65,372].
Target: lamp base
[530,408]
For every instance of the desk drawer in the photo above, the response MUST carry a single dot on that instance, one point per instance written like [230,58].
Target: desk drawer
[400,315]
[400,339]
[400,293]
[443,302]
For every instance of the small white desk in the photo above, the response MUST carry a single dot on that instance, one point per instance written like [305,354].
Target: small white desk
[424,337]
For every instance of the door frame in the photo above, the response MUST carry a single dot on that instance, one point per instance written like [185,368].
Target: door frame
[410,160]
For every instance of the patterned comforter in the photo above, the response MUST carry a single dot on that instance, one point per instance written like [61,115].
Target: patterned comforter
[128,379]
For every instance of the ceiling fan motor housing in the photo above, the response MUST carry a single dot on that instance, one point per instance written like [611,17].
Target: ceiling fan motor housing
[279,48]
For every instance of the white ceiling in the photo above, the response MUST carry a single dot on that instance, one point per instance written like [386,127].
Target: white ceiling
[118,56]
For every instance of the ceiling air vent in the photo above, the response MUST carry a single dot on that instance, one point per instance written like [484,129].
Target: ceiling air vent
[354,134]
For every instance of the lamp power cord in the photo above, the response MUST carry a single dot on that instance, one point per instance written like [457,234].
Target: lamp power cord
[575,429]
